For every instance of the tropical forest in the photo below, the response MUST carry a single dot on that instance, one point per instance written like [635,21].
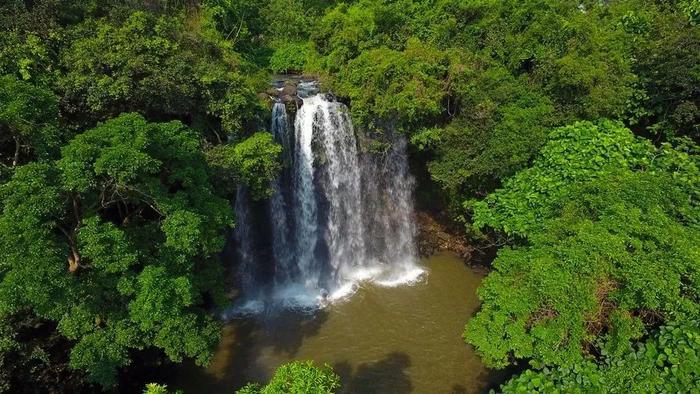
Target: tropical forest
[349,196]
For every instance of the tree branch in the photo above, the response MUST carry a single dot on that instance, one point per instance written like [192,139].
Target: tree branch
[15,161]
[74,257]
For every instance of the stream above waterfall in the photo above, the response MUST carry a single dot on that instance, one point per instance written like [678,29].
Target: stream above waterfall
[404,339]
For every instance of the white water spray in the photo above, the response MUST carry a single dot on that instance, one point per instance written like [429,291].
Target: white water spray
[339,216]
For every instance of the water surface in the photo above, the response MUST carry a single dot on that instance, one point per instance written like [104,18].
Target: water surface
[403,339]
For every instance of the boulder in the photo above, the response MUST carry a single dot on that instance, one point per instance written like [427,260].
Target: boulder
[289,89]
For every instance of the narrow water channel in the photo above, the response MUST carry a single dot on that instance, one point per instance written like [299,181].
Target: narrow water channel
[404,339]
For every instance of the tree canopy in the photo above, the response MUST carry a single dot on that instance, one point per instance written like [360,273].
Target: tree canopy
[604,235]
[125,128]
[113,240]
[561,135]
[666,362]
[297,377]
[28,121]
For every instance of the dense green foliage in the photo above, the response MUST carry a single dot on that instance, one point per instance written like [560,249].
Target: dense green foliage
[28,122]
[668,362]
[573,154]
[113,241]
[298,377]
[125,128]
[477,84]
[597,260]
[253,162]
[157,66]
[565,132]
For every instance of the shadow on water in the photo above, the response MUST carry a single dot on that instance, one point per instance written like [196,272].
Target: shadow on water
[394,340]
[459,389]
[386,376]
[286,330]
[248,350]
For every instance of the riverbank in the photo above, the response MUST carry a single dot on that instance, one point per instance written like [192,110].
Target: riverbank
[437,235]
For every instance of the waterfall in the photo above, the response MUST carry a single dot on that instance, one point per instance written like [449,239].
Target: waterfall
[388,201]
[338,216]
[244,238]
[306,205]
[279,204]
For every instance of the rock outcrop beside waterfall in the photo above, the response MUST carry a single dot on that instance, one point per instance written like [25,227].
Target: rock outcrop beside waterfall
[435,236]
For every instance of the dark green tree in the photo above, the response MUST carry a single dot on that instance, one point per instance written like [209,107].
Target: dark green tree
[605,231]
[163,66]
[28,123]
[297,377]
[666,54]
[116,242]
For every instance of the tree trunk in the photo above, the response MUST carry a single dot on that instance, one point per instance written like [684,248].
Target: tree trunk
[73,260]
[15,161]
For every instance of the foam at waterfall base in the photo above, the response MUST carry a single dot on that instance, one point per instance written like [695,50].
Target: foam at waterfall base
[297,297]
[407,276]
[303,298]
[248,307]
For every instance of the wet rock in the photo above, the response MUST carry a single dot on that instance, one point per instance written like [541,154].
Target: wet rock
[289,89]
[435,236]
[288,98]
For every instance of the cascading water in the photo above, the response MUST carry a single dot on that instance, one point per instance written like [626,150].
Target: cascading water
[306,206]
[338,216]
[341,186]
[243,236]
[279,205]
[388,201]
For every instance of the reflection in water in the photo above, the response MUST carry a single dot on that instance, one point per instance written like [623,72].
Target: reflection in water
[387,375]
[382,340]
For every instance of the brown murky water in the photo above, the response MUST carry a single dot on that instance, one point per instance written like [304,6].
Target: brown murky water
[382,340]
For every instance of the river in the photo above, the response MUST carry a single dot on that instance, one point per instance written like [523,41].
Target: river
[404,339]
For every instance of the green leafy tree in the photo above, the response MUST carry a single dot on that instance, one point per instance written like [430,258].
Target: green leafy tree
[297,377]
[574,153]
[109,242]
[28,122]
[116,243]
[499,127]
[667,362]
[691,8]
[290,57]
[404,85]
[162,66]
[253,162]
[155,388]
[597,261]
[30,34]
